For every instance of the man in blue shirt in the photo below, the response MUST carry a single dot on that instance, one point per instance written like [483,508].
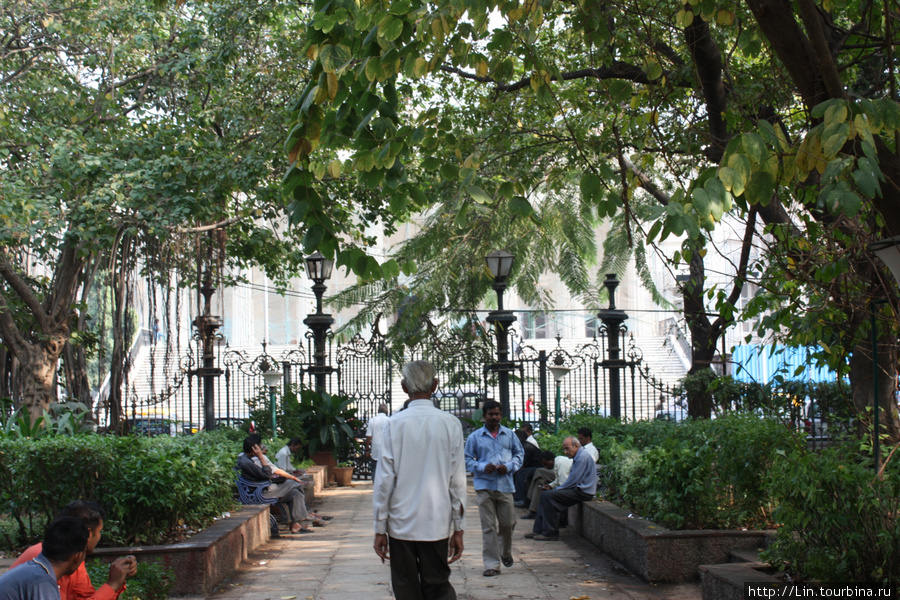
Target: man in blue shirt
[62,552]
[580,485]
[493,454]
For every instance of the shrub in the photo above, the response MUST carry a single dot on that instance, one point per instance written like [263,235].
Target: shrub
[695,474]
[836,520]
[146,485]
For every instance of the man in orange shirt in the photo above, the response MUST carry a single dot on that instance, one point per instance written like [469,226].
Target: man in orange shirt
[77,586]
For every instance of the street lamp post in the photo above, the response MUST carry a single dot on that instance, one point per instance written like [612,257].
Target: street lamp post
[500,264]
[206,325]
[559,371]
[272,378]
[888,250]
[318,270]
[613,320]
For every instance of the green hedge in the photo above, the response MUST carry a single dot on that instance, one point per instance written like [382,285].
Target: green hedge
[690,475]
[835,520]
[147,485]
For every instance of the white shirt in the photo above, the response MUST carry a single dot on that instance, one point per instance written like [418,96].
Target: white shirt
[595,454]
[283,459]
[530,439]
[561,465]
[420,484]
[375,430]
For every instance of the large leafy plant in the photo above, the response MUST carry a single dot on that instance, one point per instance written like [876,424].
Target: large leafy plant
[63,418]
[329,422]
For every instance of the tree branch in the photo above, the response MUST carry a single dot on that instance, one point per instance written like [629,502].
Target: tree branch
[661,197]
[202,228]
[821,53]
[619,70]
[11,334]
[708,62]
[23,291]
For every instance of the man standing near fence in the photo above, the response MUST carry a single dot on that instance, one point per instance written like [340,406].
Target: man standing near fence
[493,455]
[374,431]
[419,492]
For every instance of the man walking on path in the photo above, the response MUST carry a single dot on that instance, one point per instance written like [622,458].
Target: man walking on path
[419,492]
[580,485]
[373,436]
[493,455]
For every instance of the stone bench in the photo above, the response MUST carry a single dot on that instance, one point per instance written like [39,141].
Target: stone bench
[653,552]
[208,557]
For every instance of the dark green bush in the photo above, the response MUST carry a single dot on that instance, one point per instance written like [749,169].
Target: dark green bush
[836,520]
[694,474]
[147,485]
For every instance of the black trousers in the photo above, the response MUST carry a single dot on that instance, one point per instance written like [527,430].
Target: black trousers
[553,502]
[419,570]
[522,479]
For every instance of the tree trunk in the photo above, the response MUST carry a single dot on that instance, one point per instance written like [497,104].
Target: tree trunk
[862,378]
[78,385]
[119,284]
[704,334]
[38,370]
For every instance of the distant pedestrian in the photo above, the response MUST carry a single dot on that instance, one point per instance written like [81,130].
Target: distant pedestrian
[283,457]
[493,455]
[154,332]
[529,431]
[374,431]
[585,439]
[531,462]
[420,491]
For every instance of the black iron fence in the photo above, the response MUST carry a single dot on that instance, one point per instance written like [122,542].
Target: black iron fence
[546,385]
[606,376]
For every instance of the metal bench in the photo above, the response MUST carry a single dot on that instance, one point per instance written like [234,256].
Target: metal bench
[251,492]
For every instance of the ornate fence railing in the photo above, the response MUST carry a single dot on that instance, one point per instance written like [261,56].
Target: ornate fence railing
[546,384]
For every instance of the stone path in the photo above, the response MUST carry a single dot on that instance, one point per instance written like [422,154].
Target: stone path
[338,563]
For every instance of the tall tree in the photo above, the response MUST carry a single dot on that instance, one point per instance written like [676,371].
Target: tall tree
[127,128]
[721,101]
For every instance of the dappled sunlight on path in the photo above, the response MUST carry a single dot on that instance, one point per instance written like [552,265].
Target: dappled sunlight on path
[337,562]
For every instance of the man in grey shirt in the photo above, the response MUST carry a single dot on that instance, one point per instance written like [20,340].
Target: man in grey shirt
[580,485]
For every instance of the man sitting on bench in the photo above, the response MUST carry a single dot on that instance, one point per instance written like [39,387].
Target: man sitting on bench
[580,485]
[256,466]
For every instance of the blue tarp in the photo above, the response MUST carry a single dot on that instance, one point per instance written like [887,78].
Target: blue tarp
[760,364]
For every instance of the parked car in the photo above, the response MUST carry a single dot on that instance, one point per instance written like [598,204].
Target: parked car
[463,405]
[148,426]
[232,422]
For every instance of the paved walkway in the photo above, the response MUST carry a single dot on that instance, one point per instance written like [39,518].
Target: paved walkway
[337,562]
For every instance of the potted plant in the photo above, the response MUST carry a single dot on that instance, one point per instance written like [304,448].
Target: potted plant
[328,423]
[343,473]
